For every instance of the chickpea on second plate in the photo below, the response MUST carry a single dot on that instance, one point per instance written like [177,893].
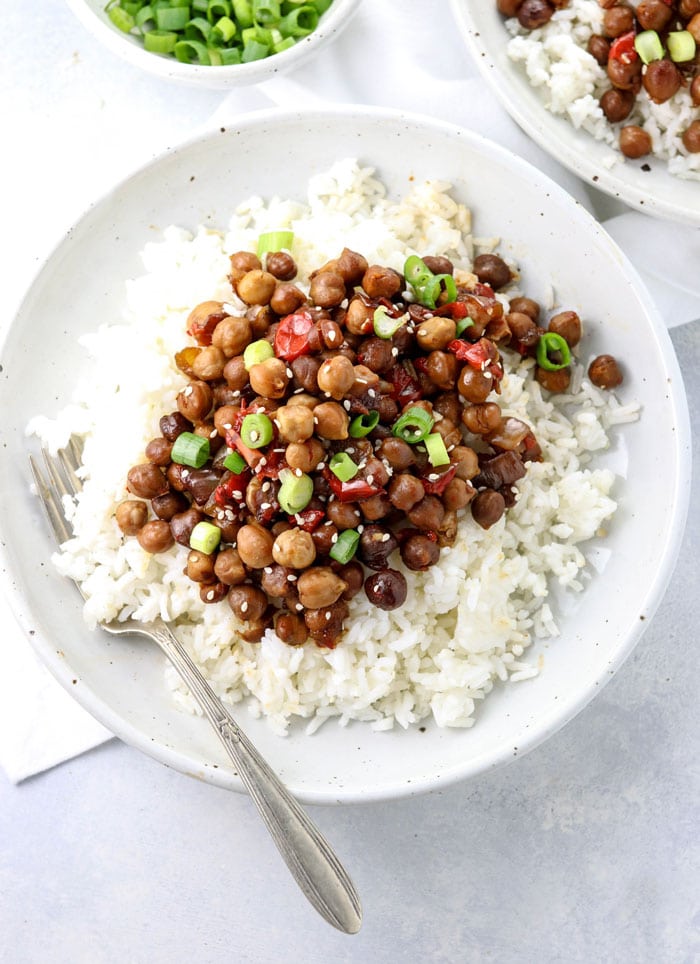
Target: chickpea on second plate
[321,436]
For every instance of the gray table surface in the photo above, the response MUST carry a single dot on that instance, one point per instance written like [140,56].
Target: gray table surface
[586,849]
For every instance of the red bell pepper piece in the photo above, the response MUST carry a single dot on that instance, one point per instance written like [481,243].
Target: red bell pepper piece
[227,491]
[438,486]
[350,491]
[202,330]
[292,336]
[481,355]
[456,310]
[622,48]
[406,388]
[309,519]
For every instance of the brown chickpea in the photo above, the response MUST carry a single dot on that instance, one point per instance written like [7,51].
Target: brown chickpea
[617,104]
[457,494]
[256,287]
[482,418]
[182,524]
[336,376]
[376,354]
[634,141]
[286,298]
[155,536]
[235,373]
[441,369]
[146,480]
[567,324]
[556,381]
[224,418]
[605,372]
[526,306]
[131,515]
[693,27]
[492,270]
[254,544]
[688,8]
[229,568]
[599,49]
[354,575]
[326,623]
[176,475]
[488,507]
[275,581]
[436,333]
[522,327]
[319,587]
[351,266]
[438,264]
[158,451]
[449,433]
[241,263]
[305,373]
[281,264]
[449,406]
[209,363]
[359,317]
[331,333]
[419,553]
[427,514]
[169,504]
[534,13]
[304,455]
[653,14]
[381,282]
[331,421]
[203,319]
[212,592]
[247,602]
[695,91]
[661,80]
[466,460]
[507,8]
[626,76]
[303,400]
[324,538]
[291,629]
[375,507]
[617,20]
[386,589]
[397,453]
[473,385]
[343,515]
[195,400]
[227,521]
[691,138]
[295,423]
[327,289]
[200,566]
[294,549]
[269,378]
[405,491]
[365,379]
[232,336]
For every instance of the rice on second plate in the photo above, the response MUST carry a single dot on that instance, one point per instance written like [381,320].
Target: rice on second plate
[571,83]
[468,620]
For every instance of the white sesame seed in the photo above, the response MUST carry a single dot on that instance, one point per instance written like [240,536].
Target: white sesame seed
[262,462]
[328,615]
[299,607]
[346,405]
[237,494]
[265,506]
[290,373]
[237,393]
[291,577]
[210,595]
[385,537]
[334,537]
[228,426]
[213,433]
[371,392]
[267,569]
[187,391]
[370,479]
[360,529]
[433,477]
[254,435]
[244,606]
[266,486]
[298,391]
[320,466]
[298,473]
[395,352]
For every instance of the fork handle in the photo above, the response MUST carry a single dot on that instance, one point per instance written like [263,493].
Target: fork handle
[317,870]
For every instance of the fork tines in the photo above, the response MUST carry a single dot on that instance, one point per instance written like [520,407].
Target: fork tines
[59,479]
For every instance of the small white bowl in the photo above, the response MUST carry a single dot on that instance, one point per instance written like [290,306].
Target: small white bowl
[556,243]
[654,192]
[92,14]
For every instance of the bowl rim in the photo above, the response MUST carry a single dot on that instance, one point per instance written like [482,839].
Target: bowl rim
[548,724]
[549,130]
[123,45]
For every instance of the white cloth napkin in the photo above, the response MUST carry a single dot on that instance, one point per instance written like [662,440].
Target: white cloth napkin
[406,55]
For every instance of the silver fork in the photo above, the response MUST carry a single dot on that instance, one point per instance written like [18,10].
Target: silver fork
[315,867]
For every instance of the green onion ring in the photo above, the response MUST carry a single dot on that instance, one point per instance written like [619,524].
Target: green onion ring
[551,342]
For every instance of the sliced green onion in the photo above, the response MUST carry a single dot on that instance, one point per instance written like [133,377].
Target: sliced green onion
[143,17]
[437,452]
[342,466]
[230,55]
[266,11]
[462,325]
[283,45]
[160,41]
[205,537]
[345,546]
[122,19]
[648,45]
[299,22]
[362,425]
[275,241]
[295,492]
[413,425]
[190,449]
[253,51]
[257,352]
[191,51]
[216,9]
[429,293]
[223,30]
[198,29]
[552,342]
[171,18]
[235,462]
[681,46]
[384,325]
[243,12]
[416,271]
[256,430]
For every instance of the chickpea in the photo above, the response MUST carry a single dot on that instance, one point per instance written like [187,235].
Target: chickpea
[294,549]
[319,587]
[381,282]
[331,334]
[324,538]
[343,515]
[436,333]
[229,568]
[691,136]
[241,263]
[173,425]
[375,507]
[567,324]
[449,433]
[661,80]
[617,20]
[488,507]
[203,319]
[331,421]
[449,406]
[457,494]
[200,566]
[534,13]
[291,629]
[169,504]
[281,264]
[653,14]
[254,546]
[247,602]
[295,423]
[336,376]
[194,401]
[182,524]
[492,270]
[304,455]
[428,513]
[354,575]
[209,363]
[386,589]
[158,451]
[351,266]
[146,480]
[359,317]
[305,372]
[599,48]
[482,418]
[507,8]
[235,373]
[441,369]
[556,381]
[526,306]
[405,491]
[376,354]
[605,372]
[327,289]
[255,287]
[212,592]
[275,581]
[224,418]
[695,91]
[303,400]
[286,299]
[419,552]
[626,76]
[466,460]
[617,104]
[131,516]
[474,385]
[232,336]
[634,141]
[269,378]
[397,453]
[365,379]
[155,536]
[439,264]
[326,623]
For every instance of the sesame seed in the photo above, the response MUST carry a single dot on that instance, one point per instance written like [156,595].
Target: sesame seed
[254,435]
[237,393]
[360,529]
[298,473]
[265,506]
[334,537]
[346,405]
[328,615]
[371,392]
[433,477]
[187,391]
[228,426]
[290,373]
[210,595]
[291,577]
[370,479]
[244,606]
[262,462]
[395,352]
[320,466]
[237,494]
[297,391]
[299,607]
[266,486]
[385,537]
[213,433]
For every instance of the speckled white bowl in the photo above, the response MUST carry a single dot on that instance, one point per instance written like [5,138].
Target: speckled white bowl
[556,242]
[645,184]
[92,14]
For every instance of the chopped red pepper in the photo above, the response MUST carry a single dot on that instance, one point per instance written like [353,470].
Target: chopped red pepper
[437,486]
[456,310]
[622,48]
[481,355]
[234,441]
[406,387]
[292,336]
[228,490]
[350,491]
[202,329]
[309,519]
[483,290]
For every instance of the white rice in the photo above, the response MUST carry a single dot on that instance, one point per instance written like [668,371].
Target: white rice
[467,622]
[571,83]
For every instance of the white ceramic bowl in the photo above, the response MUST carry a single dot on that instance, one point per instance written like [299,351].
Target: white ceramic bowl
[92,14]
[654,192]
[556,242]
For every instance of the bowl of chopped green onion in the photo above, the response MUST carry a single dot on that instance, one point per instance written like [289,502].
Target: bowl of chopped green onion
[214,43]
